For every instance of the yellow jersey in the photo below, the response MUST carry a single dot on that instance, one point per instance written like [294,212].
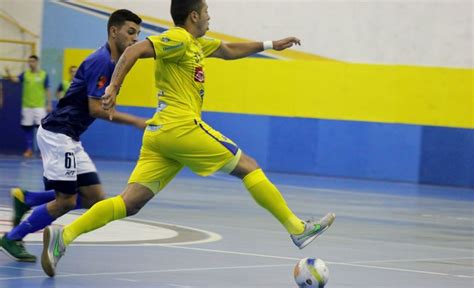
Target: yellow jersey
[180,75]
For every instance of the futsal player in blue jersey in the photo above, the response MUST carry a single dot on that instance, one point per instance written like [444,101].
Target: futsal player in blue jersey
[70,176]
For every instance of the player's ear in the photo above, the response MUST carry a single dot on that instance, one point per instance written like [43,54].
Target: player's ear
[194,16]
[113,31]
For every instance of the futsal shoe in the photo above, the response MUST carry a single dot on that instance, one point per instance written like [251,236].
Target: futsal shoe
[19,206]
[312,230]
[16,250]
[53,249]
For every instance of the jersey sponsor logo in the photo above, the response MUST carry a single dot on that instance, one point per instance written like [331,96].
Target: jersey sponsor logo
[101,82]
[197,57]
[199,74]
[173,47]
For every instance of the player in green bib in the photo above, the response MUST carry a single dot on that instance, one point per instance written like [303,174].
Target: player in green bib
[35,101]
[64,85]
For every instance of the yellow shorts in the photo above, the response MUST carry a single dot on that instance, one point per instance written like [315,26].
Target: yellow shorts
[195,145]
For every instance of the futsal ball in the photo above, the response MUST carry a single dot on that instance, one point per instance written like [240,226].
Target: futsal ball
[311,273]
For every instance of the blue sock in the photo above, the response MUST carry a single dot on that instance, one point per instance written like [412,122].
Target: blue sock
[29,134]
[33,199]
[39,219]
[78,203]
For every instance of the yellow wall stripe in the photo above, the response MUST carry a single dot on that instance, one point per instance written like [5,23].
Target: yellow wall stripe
[326,90]
[343,91]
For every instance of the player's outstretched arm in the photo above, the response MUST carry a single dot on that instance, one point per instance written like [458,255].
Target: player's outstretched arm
[96,111]
[11,77]
[142,49]
[229,51]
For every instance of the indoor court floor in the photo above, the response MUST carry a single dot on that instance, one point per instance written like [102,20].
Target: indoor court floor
[209,233]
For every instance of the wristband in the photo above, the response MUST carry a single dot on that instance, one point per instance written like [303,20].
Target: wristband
[267,45]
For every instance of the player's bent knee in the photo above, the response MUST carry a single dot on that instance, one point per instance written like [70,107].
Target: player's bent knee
[252,164]
[132,210]
[90,201]
[94,198]
[135,197]
[245,166]
[133,207]
[65,205]
[91,195]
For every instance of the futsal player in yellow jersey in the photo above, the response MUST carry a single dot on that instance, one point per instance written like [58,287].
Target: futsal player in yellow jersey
[176,136]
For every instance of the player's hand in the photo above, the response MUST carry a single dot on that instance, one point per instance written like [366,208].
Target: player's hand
[141,123]
[8,73]
[49,107]
[285,43]
[108,101]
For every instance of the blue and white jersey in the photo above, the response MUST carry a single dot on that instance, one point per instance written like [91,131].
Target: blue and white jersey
[71,116]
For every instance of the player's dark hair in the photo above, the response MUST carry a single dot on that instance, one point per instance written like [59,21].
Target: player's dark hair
[119,17]
[34,57]
[180,9]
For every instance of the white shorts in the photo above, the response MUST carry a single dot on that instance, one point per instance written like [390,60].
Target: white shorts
[63,158]
[32,116]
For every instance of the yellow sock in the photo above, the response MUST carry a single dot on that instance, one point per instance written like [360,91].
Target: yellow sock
[268,196]
[97,216]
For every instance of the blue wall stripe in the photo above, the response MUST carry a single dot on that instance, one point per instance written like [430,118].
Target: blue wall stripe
[447,156]
[13,139]
[350,149]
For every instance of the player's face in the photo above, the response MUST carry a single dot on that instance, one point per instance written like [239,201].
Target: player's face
[33,64]
[127,35]
[72,72]
[203,22]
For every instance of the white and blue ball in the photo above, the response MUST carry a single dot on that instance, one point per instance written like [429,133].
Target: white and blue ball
[311,273]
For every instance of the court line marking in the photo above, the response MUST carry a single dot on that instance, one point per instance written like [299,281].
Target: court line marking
[127,280]
[403,270]
[24,269]
[180,286]
[282,232]
[27,269]
[329,262]
[217,237]
[410,260]
[150,271]
[240,267]
[211,236]
[292,258]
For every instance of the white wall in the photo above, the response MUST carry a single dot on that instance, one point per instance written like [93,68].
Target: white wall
[29,14]
[413,32]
